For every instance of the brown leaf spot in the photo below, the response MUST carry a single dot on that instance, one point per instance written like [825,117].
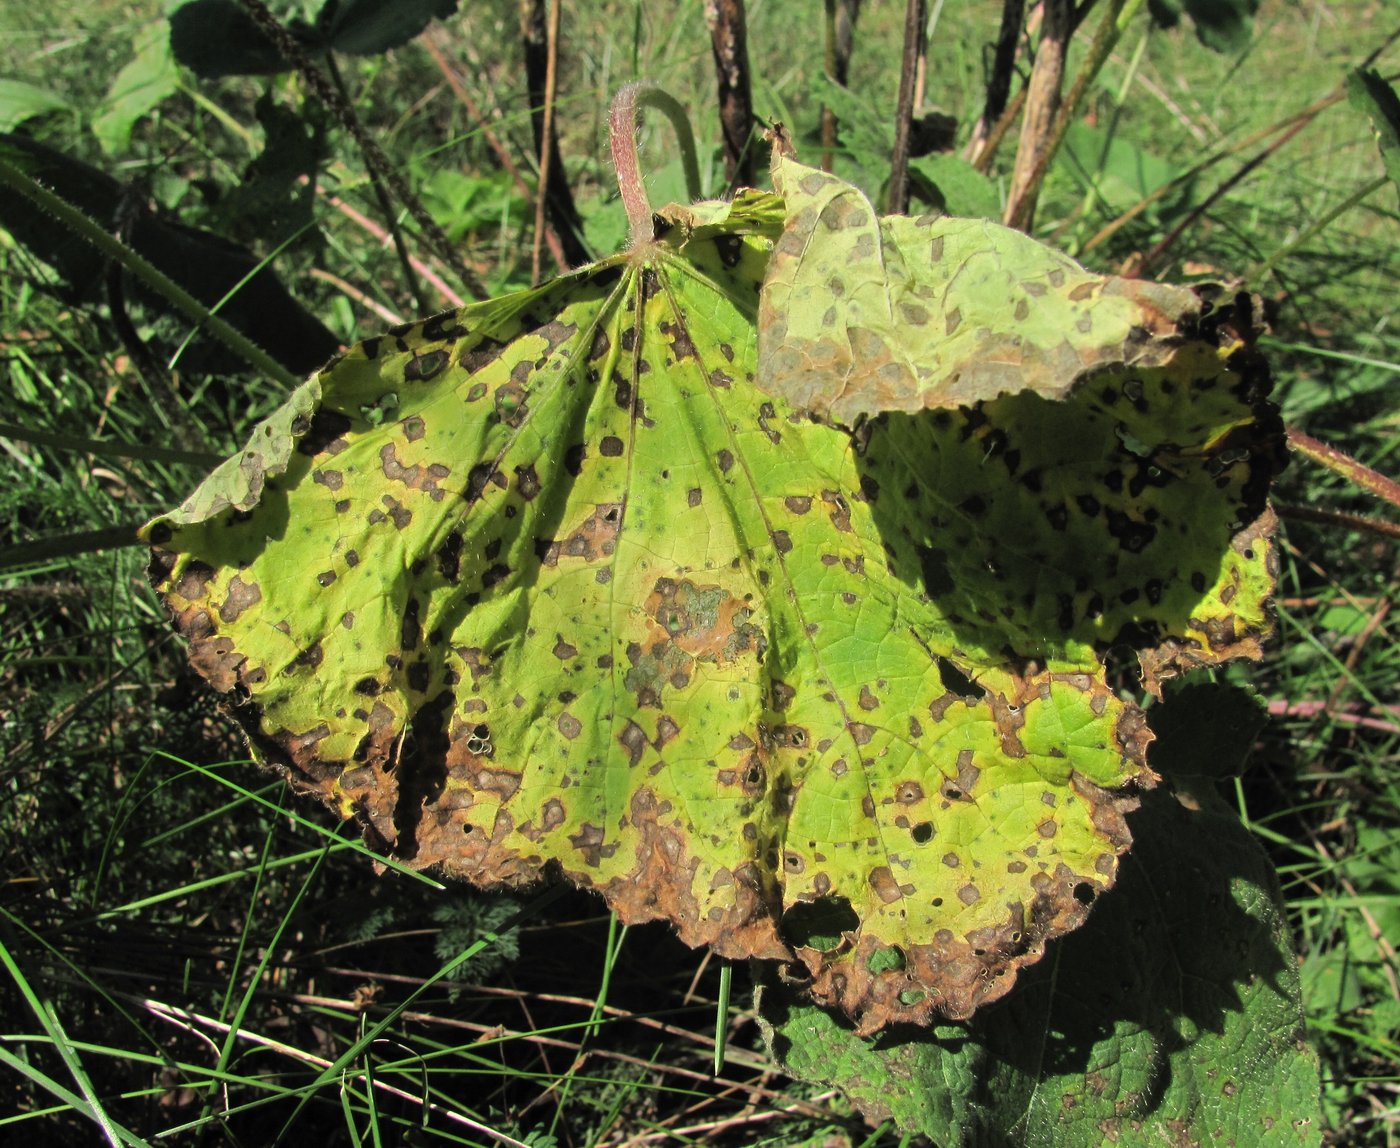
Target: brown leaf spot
[885,886]
[241,595]
[589,841]
[860,733]
[563,650]
[634,740]
[569,726]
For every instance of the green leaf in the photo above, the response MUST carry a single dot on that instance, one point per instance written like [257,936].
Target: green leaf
[1121,172]
[20,101]
[143,83]
[1368,92]
[548,580]
[1172,1016]
[953,186]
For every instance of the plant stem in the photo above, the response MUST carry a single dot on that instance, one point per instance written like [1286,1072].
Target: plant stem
[904,114]
[1357,473]
[91,232]
[554,183]
[729,40]
[1322,517]
[622,133]
[1042,105]
[1115,19]
[1013,14]
[386,207]
[551,78]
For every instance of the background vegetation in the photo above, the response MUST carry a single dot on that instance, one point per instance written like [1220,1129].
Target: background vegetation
[193,953]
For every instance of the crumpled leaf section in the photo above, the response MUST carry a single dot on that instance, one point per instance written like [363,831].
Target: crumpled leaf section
[548,583]
[864,313]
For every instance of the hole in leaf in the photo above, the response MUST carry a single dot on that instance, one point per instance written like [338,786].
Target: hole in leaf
[955,681]
[1084,893]
[886,960]
[819,924]
[911,996]
[922,833]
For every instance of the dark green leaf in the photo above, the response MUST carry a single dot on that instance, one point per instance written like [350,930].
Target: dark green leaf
[1204,729]
[206,265]
[218,38]
[953,186]
[366,27]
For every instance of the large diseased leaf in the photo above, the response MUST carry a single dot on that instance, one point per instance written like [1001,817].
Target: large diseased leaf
[550,583]
[547,579]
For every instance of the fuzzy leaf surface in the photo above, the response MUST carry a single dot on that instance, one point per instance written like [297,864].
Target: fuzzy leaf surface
[549,580]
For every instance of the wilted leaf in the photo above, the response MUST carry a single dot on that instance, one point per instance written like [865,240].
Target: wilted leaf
[1173,1016]
[547,579]
[864,313]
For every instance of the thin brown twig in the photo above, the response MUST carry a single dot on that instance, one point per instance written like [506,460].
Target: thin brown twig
[1013,13]
[551,78]
[1042,107]
[729,43]
[493,141]
[904,113]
